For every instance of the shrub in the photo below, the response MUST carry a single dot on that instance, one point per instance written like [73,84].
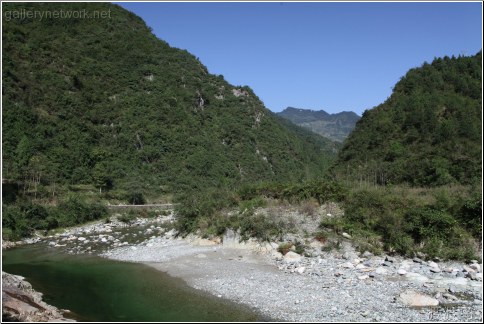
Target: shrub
[283,248]
[136,198]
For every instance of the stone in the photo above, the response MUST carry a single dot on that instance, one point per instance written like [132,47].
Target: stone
[435,270]
[449,296]
[389,259]
[471,275]
[402,272]
[415,277]
[363,277]
[417,260]
[360,266]
[387,264]
[433,264]
[416,299]
[475,266]
[346,235]
[381,270]
[367,254]
[300,270]
[81,238]
[468,269]
[452,289]
[347,265]
[292,257]
[277,255]
[338,273]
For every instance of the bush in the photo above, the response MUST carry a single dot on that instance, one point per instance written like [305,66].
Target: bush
[136,198]
[407,224]
[75,211]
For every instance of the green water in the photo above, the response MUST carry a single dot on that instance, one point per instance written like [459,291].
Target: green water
[97,289]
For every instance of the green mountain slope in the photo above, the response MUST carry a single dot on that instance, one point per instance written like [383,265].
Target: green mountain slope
[428,133]
[104,102]
[333,126]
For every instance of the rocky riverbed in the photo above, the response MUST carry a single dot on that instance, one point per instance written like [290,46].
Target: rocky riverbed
[339,285]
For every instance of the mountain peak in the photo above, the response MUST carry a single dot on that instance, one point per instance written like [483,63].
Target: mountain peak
[333,126]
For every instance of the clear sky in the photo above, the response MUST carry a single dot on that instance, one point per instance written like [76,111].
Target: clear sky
[331,56]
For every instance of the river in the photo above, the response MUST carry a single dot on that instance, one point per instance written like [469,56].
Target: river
[98,289]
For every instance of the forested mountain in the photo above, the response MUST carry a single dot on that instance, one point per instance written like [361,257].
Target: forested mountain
[333,126]
[427,133]
[105,102]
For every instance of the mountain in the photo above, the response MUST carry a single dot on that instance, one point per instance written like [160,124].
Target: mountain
[427,133]
[333,126]
[105,102]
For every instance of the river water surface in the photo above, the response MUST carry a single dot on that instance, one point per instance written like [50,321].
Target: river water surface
[98,289]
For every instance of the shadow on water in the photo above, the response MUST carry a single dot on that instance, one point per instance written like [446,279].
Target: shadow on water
[97,289]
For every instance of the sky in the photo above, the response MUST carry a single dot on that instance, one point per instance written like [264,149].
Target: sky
[330,56]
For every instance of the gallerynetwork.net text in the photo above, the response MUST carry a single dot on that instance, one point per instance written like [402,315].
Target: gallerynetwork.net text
[23,14]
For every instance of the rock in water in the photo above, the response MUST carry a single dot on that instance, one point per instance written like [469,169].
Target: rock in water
[416,299]
[22,303]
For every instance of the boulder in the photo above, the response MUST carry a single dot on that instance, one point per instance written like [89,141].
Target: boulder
[416,299]
[292,257]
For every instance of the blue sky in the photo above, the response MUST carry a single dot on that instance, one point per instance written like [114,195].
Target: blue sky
[331,56]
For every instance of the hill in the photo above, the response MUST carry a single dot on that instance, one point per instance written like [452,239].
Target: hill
[333,126]
[105,102]
[427,133]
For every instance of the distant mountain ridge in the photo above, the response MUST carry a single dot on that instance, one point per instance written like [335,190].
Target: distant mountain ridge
[333,126]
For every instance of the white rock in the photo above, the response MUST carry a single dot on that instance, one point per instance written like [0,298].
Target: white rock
[81,238]
[360,266]
[401,272]
[416,299]
[381,270]
[363,277]
[468,269]
[433,264]
[344,234]
[277,255]
[301,270]
[475,266]
[292,257]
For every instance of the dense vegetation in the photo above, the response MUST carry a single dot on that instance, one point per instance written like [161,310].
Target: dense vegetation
[100,110]
[333,126]
[415,163]
[428,133]
[103,104]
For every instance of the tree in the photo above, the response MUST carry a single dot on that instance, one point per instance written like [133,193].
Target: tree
[101,176]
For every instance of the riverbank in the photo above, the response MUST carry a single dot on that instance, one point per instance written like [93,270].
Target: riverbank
[21,303]
[341,285]
[327,288]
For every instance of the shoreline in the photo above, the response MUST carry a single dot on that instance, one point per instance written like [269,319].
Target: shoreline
[21,303]
[330,286]
[310,289]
